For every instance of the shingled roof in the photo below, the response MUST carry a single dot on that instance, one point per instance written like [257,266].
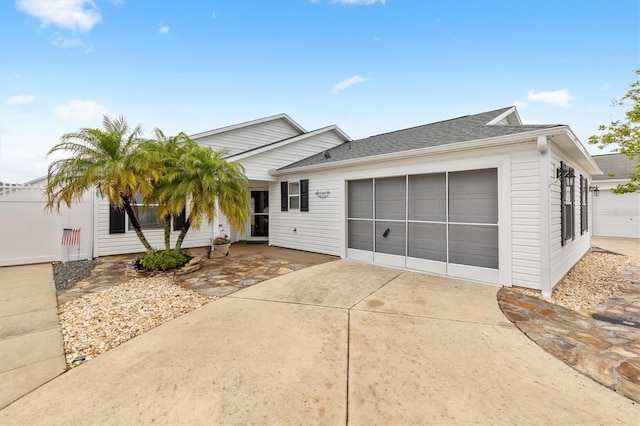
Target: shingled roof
[461,129]
[614,166]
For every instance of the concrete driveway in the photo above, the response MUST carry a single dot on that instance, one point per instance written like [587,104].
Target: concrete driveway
[336,343]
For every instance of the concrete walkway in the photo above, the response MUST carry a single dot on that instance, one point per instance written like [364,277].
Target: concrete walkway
[626,246]
[337,343]
[31,351]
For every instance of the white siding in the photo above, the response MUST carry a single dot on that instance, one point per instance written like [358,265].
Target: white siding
[525,217]
[245,138]
[323,228]
[564,257]
[110,244]
[320,229]
[257,166]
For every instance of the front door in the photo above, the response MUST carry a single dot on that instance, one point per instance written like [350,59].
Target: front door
[259,220]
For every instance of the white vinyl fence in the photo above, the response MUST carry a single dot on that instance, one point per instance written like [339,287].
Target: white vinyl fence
[31,234]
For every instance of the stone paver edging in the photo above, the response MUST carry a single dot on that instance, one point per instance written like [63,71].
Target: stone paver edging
[606,352]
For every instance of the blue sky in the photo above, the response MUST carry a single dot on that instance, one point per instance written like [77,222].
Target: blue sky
[367,66]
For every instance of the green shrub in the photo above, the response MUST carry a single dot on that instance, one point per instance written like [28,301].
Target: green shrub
[163,260]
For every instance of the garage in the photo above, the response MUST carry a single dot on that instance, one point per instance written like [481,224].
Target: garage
[444,223]
[616,215]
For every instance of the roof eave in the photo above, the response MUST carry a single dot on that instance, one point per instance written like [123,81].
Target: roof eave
[573,146]
[279,144]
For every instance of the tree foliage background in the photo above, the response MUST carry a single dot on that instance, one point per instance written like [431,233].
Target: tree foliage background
[624,134]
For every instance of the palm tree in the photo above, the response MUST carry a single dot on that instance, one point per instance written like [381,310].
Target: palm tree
[163,153]
[105,159]
[204,180]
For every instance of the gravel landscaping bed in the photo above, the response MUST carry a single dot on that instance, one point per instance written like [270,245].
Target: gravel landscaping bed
[95,323]
[596,278]
[66,274]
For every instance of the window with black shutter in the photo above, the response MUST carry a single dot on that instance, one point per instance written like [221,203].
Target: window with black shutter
[116,220]
[566,175]
[584,205]
[304,195]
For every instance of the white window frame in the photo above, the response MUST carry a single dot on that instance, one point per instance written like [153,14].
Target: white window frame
[291,195]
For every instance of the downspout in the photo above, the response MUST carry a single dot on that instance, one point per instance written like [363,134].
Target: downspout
[545,217]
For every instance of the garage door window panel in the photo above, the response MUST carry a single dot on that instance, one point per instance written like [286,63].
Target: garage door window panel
[474,245]
[473,196]
[428,197]
[361,234]
[360,214]
[428,241]
[391,237]
[390,197]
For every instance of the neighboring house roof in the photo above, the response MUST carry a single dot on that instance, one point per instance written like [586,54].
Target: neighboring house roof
[503,122]
[614,166]
[283,116]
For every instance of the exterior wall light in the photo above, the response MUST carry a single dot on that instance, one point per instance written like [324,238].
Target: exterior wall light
[566,173]
[595,190]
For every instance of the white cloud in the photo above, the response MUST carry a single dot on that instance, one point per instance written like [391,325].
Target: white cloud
[20,100]
[557,97]
[605,86]
[64,42]
[359,2]
[164,29]
[527,121]
[79,110]
[69,42]
[338,87]
[521,104]
[75,15]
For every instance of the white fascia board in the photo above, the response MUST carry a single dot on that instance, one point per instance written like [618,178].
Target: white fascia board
[503,115]
[283,116]
[573,146]
[285,142]
[478,143]
[605,185]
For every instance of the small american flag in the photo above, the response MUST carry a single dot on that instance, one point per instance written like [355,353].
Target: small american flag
[70,237]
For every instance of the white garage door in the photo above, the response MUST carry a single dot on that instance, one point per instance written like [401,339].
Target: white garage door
[616,215]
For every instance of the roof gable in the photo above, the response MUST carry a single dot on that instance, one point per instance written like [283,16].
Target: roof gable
[278,144]
[250,135]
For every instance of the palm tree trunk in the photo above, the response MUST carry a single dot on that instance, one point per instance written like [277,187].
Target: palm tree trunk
[183,233]
[167,232]
[135,223]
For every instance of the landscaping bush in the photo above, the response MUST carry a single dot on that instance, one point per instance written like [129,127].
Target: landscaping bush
[163,260]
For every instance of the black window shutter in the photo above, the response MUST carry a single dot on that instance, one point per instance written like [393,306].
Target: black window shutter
[304,195]
[563,210]
[284,196]
[582,209]
[116,220]
[178,221]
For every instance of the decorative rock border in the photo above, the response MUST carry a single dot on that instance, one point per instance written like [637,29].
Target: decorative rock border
[607,353]
[193,265]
